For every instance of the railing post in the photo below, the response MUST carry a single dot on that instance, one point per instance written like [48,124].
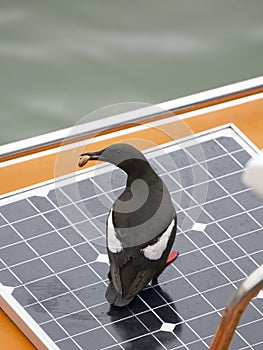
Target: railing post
[235,308]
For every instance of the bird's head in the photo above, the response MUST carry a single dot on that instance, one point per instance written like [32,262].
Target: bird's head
[122,155]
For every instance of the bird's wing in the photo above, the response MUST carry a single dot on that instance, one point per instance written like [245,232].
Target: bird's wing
[133,268]
[128,273]
[127,276]
[141,280]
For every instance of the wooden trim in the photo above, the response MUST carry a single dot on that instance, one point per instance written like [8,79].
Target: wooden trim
[246,116]
[13,328]
[11,336]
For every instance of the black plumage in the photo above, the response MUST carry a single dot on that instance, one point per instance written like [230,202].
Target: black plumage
[141,226]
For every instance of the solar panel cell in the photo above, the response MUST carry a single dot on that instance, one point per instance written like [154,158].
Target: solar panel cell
[232,183]
[38,313]
[207,150]
[8,236]
[228,143]
[17,210]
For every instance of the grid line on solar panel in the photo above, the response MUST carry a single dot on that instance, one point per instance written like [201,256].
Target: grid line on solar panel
[117,321]
[41,234]
[207,290]
[237,215]
[94,284]
[146,288]
[51,270]
[221,271]
[78,311]
[232,261]
[65,205]
[76,297]
[249,212]
[148,318]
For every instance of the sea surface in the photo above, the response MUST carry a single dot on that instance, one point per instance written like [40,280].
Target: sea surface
[63,60]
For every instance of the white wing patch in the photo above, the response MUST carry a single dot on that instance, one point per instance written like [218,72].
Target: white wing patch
[113,243]
[155,251]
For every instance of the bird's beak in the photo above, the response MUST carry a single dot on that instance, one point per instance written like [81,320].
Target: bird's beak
[85,157]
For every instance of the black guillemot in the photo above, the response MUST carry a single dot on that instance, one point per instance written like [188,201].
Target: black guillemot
[141,225]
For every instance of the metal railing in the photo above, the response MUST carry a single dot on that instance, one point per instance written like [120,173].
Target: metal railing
[235,308]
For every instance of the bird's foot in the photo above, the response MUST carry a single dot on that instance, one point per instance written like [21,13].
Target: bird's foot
[171,257]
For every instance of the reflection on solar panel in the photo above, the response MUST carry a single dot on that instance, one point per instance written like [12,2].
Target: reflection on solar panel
[52,250]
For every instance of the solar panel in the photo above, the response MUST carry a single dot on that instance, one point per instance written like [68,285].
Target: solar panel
[53,261]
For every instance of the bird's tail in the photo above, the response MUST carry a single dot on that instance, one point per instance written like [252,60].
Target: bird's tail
[115,298]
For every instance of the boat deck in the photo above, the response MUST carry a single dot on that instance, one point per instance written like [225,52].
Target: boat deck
[53,262]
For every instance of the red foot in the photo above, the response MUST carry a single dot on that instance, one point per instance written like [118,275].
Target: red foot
[171,257]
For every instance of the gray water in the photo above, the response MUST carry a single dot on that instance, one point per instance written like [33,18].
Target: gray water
[61,60]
